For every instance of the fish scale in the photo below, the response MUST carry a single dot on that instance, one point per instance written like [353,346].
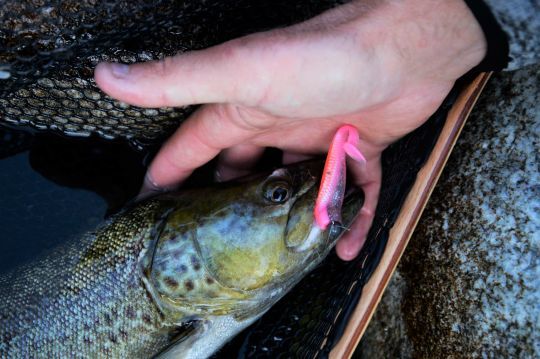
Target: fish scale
[77,294]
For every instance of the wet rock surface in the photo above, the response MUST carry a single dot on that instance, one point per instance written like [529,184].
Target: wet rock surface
[469,282]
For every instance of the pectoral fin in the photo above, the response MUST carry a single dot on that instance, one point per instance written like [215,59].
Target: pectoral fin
[182,339]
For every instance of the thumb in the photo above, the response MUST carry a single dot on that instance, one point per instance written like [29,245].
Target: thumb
[224,73]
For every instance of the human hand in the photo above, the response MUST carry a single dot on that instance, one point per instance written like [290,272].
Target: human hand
[382,66]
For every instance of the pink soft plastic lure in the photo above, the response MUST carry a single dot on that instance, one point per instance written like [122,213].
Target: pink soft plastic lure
[333,182]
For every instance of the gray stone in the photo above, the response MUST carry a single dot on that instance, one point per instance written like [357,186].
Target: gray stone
[469,282]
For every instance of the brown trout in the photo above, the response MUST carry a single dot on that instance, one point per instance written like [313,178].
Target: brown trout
[177,275]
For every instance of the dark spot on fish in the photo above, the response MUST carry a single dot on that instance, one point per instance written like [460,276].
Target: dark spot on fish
[177,254]
[183,268]
[123,334]
[130,312]
[108,319]
[195,262]
[6,338]
[189,285]
[75,290]
[171,282]
[209,280]
[147,319]
[113,338]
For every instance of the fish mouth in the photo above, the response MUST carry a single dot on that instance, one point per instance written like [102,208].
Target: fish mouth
[352,203]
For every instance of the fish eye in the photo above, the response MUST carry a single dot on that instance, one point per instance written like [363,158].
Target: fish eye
[278,192]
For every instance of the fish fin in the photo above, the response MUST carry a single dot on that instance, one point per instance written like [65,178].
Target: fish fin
[257,309]
[182,338]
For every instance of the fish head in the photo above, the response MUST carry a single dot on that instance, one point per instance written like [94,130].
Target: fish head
[250,239]
[266,233]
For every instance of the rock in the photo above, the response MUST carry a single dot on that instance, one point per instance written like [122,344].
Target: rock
[469,282]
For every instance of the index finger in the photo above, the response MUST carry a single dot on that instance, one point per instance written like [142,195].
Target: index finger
[198,140]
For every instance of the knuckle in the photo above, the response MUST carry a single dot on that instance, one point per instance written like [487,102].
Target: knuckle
[252,64]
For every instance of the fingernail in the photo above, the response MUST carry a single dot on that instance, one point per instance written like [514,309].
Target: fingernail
[149,185]
[149,188]
[119,71]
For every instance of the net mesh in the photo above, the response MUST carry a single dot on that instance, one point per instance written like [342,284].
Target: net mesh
[49,49]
